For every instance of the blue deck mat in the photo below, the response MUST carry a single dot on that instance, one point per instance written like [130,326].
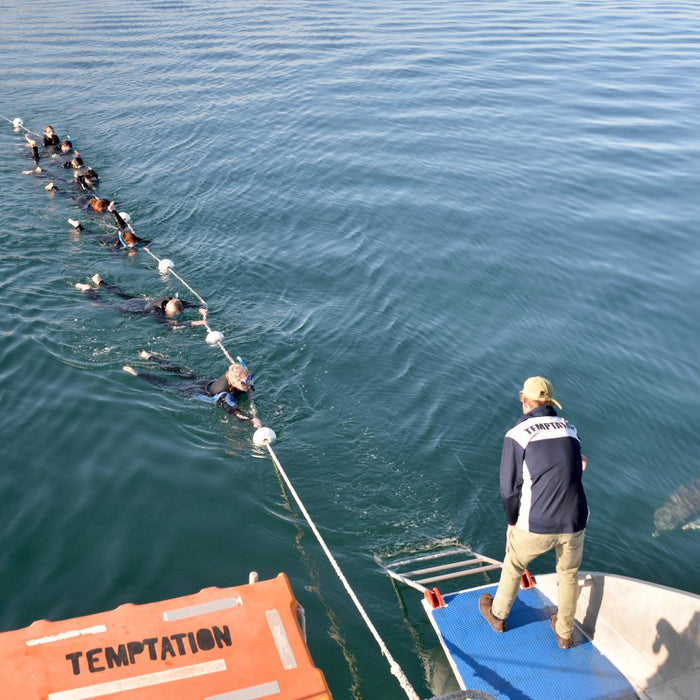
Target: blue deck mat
[525,662]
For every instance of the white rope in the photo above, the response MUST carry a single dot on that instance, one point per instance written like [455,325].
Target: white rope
[172,272]
[20,125]
[187,286]
[393,665]
[251,403]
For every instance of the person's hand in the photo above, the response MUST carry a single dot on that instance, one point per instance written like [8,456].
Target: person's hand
[257,423]
[584,462]
[112,206]
[204,311]
[509,534]
[31,142]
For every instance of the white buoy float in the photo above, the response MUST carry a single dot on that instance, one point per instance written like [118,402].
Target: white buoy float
[165,264]
[17,123]
[263,435]
[125,216]
[214,337]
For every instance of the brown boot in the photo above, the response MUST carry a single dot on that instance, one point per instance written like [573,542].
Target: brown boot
[561,641]
[485,603]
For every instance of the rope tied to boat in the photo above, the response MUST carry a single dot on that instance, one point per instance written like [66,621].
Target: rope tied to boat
[394,667]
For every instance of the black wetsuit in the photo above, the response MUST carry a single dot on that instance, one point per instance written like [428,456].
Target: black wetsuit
[73,163]
[119,241]
[156,307]
[87,183]
[228,398]
[121,224]
[115,240]
[50,140]
[218,389]
[138,306]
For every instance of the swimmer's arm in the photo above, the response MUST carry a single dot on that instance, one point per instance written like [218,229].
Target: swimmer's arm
[232,408]
[33,148]
[235,411]
[189,324]
[174,325]
[121,224]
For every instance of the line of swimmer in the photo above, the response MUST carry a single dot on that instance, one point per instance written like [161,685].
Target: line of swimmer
[234,385]
[233,390]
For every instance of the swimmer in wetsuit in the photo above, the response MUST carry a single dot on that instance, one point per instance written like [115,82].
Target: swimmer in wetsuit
[50,137]
[96,204]
[87,180]
[164,310]
[234,385]
[76,162]
[124,238]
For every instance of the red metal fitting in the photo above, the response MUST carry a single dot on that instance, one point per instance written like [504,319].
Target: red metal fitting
[434,598]
[527,580]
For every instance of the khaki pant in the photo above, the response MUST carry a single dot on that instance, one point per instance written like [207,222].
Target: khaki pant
[524,547]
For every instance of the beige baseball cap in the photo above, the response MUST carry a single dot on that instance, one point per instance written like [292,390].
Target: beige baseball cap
[539,389]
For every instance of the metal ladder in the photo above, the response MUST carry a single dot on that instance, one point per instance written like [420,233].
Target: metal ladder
[450,563]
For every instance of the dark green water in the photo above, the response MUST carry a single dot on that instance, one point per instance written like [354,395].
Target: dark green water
[396,212]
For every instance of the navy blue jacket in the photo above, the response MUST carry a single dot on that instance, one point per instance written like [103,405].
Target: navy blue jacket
[541,473]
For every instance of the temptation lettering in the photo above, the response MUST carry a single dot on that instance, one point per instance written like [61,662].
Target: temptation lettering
[558,425]
[181,644]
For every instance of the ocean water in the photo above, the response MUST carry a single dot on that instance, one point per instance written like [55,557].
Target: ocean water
[396,213]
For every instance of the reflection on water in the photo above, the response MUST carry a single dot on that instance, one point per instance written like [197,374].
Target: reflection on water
[395,215]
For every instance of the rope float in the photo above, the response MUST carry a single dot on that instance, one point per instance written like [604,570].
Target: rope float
[18,125]
[264,437]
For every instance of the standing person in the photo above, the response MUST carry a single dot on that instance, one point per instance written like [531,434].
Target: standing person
[546,508]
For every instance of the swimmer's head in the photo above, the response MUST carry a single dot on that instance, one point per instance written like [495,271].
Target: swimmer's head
[77,162]
[239,377]
[48,130]
[130,239]
[174,307]
[98,204]
[66,146]
[90,176]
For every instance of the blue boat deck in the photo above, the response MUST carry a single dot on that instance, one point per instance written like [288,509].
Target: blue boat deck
[525,662]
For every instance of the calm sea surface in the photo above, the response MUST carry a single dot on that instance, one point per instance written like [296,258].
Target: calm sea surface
[396,212]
